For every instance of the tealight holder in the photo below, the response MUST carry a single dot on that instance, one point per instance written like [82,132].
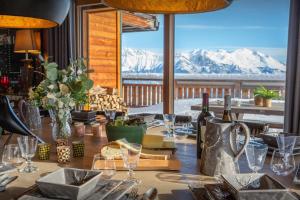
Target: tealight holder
[97,130]
[78,148]
[79,129]
[63,154]
[44,151]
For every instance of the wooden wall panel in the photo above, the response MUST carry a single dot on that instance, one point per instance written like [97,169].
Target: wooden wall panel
[104,48]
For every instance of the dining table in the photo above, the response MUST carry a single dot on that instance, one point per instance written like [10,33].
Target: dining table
[170,184]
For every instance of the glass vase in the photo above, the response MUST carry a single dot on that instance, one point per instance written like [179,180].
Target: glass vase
[60,122]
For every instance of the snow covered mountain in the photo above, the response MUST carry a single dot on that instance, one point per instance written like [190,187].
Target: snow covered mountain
[239,61]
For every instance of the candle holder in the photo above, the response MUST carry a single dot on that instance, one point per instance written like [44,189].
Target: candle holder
[63,154]
[79,129]
[44,151]
[78,149]
[97,130]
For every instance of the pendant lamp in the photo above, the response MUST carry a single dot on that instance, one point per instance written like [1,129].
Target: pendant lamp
[33,13]
[168,6]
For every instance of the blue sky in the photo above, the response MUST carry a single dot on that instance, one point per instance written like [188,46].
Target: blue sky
[256,24]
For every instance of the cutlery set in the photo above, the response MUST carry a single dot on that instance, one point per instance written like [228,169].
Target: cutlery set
[5,180]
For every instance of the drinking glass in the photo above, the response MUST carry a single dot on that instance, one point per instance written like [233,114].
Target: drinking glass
[256,154]
[108,167]
[12,155]
[111,114]
[169,120]
[28,146]
[286,143]
[131,155]
[282,164]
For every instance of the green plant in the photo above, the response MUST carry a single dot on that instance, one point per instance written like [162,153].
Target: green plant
[266,93]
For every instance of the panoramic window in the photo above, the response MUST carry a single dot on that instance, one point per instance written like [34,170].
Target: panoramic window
[232,51]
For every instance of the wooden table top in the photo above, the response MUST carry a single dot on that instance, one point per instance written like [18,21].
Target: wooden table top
[170,185]
[251,109]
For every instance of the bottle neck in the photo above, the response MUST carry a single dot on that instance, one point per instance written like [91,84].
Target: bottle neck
[227,103]
[205,103]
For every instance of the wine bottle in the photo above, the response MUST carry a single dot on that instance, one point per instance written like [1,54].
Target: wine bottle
[227,116]
[201,124]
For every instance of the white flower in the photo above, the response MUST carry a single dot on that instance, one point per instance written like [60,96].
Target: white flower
[51,96]
[51,87]
[63,89]
[60,104]
[79,72]
[71,104]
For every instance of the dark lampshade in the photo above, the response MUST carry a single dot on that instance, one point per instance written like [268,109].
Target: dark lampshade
[168,6]
[33,13]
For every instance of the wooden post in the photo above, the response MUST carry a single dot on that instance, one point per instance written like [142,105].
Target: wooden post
[168,86]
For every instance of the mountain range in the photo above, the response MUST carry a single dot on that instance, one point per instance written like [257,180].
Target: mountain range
[199,61]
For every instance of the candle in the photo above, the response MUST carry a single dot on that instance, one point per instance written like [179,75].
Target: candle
[63,154]
[62,142]
[44,151]
[78,148]
[79,129]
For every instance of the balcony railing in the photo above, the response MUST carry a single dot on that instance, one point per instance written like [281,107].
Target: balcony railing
[146,91]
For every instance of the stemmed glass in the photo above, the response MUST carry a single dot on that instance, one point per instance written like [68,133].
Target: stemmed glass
[12,155]
[169,121]
[256,155]
[28,147]
[131,155]
[109,167]
[111,114]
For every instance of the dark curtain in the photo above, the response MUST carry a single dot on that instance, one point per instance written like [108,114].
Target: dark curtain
[292,101]
[59,42]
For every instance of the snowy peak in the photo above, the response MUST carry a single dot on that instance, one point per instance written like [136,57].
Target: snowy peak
[239,61]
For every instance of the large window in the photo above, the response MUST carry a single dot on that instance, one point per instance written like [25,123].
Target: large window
[230,51]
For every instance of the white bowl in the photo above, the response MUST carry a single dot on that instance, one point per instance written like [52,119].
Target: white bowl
[58,184]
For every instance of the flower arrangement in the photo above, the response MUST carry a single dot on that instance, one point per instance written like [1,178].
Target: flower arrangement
[60,91]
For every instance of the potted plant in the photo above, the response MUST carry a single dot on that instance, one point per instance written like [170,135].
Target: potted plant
[132,130]
[267,95]
[258,97]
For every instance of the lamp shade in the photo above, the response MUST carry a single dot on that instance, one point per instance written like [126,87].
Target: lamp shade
[33,13]
[25,42]
[168,6]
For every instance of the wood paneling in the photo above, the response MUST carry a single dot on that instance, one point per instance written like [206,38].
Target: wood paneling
[104,48]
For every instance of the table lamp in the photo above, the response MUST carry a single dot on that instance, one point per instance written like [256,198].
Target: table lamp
[27,42]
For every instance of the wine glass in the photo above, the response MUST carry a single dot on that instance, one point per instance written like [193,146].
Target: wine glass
[28,147]
[169,120]
[282,164]
[131,155]
[12,155]
[108,167]
[111,114]
[256,155]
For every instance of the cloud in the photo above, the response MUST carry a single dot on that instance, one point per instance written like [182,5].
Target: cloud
[217,27]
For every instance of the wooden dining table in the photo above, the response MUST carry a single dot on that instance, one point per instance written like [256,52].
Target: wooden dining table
[170,184]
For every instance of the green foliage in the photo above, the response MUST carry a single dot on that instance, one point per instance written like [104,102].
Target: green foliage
[266,93]
[62,88]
